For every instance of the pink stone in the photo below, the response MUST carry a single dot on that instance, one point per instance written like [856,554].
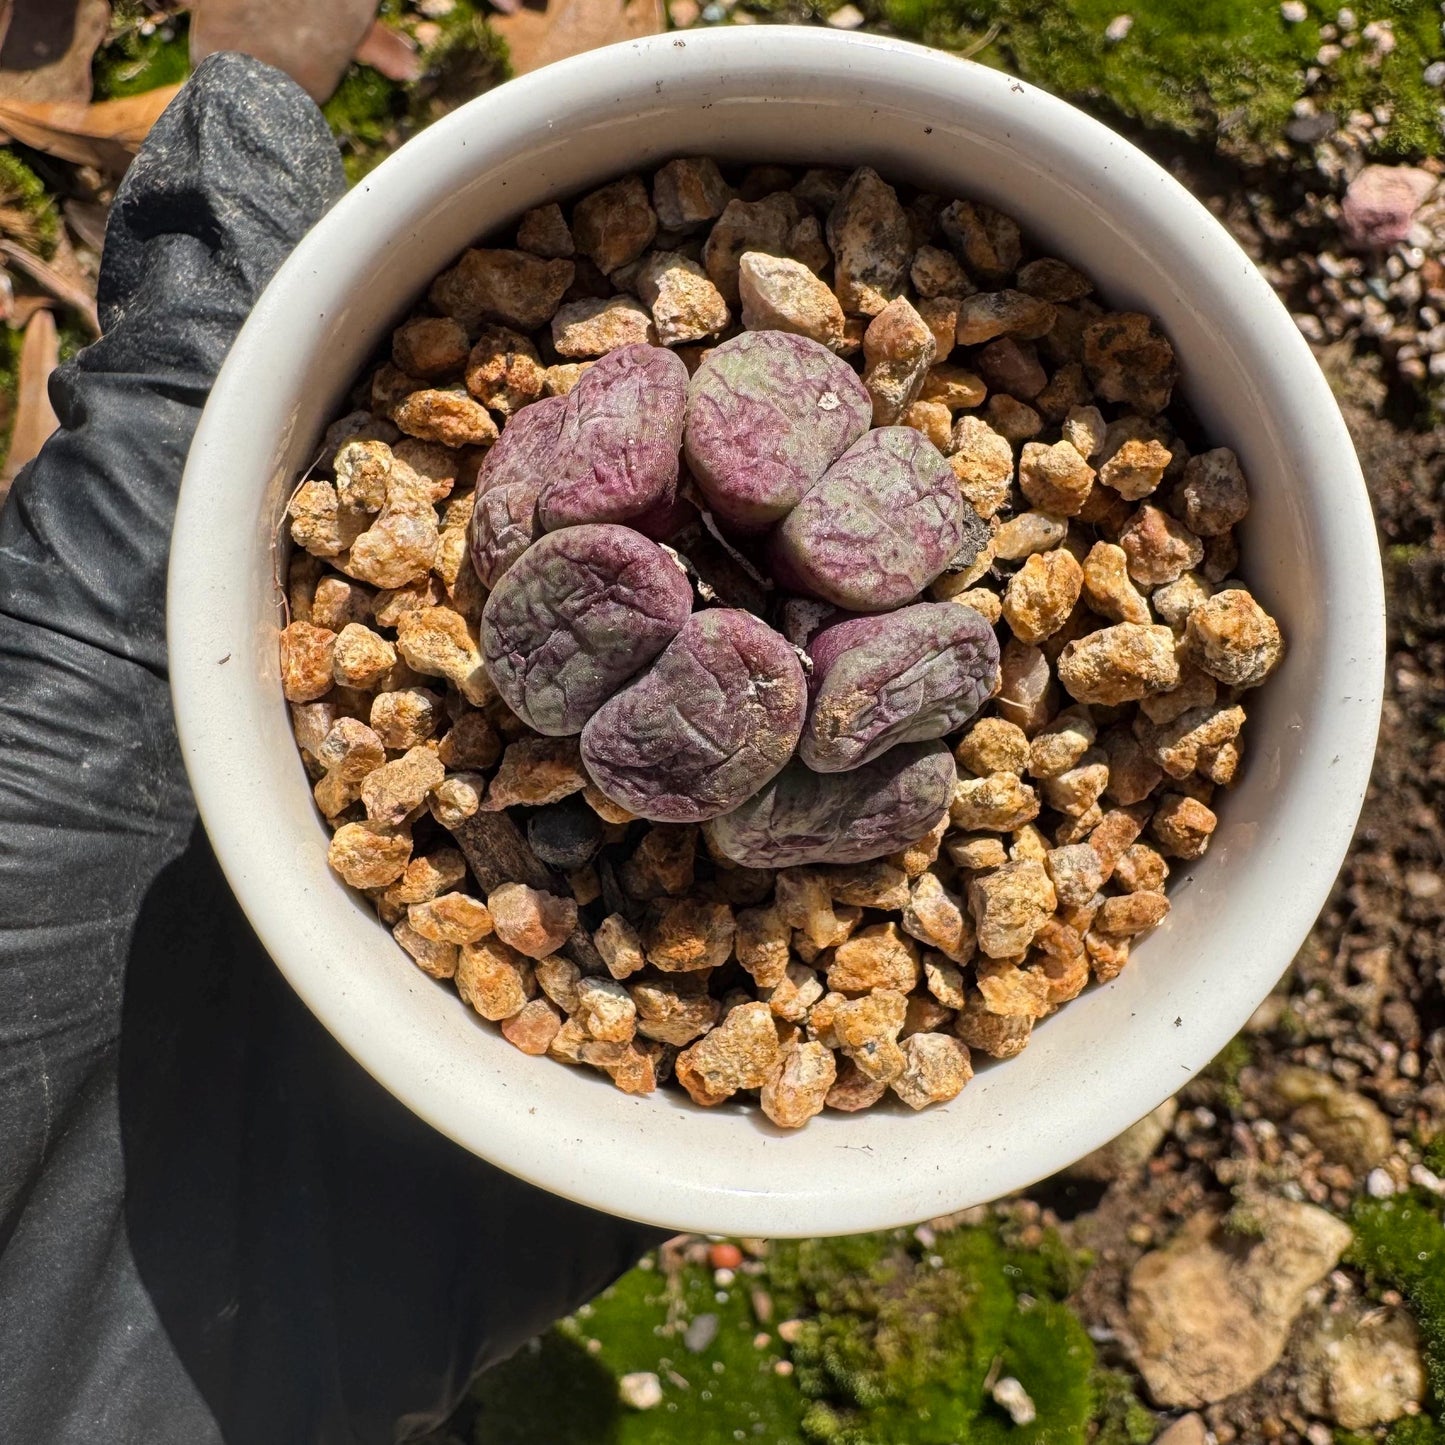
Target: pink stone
[1381,203]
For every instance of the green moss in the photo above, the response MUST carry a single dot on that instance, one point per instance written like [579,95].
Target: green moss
[29,211]
[1226,1069]
[1434,1152]
[371,115]
[130,62]
[897,1345]
[1421,1430]
[1119,1418]
[1230,69]
[1400,1244]
[363,114]
[566,1393]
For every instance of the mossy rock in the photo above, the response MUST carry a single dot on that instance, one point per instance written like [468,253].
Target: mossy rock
[1400,1244]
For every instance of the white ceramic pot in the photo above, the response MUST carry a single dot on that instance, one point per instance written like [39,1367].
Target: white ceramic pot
[789,95]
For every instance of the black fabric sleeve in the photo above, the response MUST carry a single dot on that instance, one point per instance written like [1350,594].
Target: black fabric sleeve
[213,1225]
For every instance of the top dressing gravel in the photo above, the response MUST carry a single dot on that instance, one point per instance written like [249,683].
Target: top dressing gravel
[770,632]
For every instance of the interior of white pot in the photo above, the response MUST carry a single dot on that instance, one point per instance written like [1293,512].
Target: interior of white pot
[823,98]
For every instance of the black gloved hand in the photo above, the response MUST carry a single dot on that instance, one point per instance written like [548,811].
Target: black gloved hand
[213,1225]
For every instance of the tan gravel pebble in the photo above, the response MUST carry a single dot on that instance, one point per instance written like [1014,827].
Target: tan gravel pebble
[614,225]
[306,661]
[1009,906]
[533,1027]
[1159,549]
[854,1090]
[1001,1036]
[674,1010]
[1029,532]
[898,349]
[1233,638]
[740,1053]
[1119,664]
[450,918]
[1083,429]
[687,192]
[983,464]
[1108,588]
[494,978]
[880,956]
[1131,913]
[937,917]
[537,771]
[503,371]
[593,327]
[1214,495]
[932,418]
[987,314]
[1130,360]
[762,944]
[799,1084]
[780,294]
[606,1010]
[744,226]
[685,934]
[1183,826]
[620,945]
[534,923]
[434,957]
[867,1030]
[998,802]
[1041,594]
[1055,479]
[368,855]
[685,305]
[985,240]
[1136,468]
[393,790]
[544,232]
[935,272]
[508,286]
[992,745]
[872,244]
[935,1069]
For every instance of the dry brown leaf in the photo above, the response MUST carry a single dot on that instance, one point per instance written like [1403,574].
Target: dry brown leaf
[22,308]
[34,419]
[569,27]
[390,52]
[87,219]
[313,41]
[47,48]
[106,134]
[74,293]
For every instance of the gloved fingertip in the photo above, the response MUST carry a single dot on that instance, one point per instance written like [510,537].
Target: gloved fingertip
[242,160]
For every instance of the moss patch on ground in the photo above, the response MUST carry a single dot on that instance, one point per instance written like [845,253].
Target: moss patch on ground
[896,1341]
[27,212]
[1229,69]
[565,1391]
[140,54]
[460,56]
[1400,1244]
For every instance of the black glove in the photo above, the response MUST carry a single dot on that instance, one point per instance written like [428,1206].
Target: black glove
[213,1225]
